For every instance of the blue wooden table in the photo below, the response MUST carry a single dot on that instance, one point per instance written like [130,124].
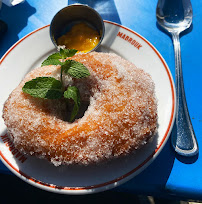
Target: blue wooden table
[169,174]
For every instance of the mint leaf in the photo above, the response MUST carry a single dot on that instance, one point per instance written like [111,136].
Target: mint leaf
[44,87]
[54,59]
[62,53]
[70,52]
[51,62]
[55,56]
[72,92]
[76,69]
[67,53]
[66,65]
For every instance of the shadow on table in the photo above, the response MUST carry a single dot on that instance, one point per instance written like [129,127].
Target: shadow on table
[25,193]
[16,18]
[106,8]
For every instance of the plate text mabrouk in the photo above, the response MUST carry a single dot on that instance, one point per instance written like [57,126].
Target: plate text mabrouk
[130,40]
[7,141]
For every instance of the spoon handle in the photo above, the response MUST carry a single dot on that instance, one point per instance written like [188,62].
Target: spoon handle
[184,141]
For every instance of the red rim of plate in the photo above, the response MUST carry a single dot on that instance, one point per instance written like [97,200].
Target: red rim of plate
[146,161]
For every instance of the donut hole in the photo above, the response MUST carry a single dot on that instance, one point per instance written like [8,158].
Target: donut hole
[87,88]
[83,108]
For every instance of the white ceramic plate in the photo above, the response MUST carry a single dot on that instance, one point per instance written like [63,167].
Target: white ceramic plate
[27,54]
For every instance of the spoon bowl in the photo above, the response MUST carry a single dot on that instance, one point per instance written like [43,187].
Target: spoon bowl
[174,16]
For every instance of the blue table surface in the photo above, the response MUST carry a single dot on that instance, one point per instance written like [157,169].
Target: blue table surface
[169,174]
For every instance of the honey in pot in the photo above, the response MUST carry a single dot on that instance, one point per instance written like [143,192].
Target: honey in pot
[81,37]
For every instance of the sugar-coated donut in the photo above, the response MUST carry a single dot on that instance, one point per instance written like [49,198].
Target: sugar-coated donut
[121,116]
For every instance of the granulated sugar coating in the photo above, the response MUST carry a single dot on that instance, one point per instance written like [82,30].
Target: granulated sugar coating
[121,116]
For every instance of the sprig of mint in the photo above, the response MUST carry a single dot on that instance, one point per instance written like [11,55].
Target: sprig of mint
[50,88]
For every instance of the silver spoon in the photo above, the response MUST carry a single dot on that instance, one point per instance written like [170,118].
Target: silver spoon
[175,16]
